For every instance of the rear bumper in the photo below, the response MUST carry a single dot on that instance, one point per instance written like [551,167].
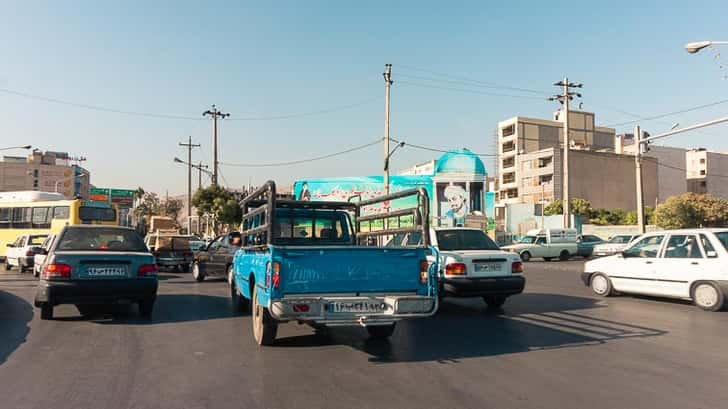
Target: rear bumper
[95,292]
[172,261]
[476,287]
[321,309]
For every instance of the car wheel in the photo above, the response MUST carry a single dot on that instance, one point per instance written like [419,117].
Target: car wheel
[564,255]
[381,331]
[36,272]
[239,302]
[601,285]
[7,265]
[708,297]
[265,327]
[146,307]
[494,301]
[548,258]
[46,311]
[197,273]
[525,256]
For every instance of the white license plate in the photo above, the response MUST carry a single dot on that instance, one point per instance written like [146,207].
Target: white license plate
[106,271]
[357,306]
[487,267]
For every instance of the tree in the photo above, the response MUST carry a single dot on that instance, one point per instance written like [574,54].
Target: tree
[692,210]
[147,204]
[554,208]
[579,207]
[170,208]
[219,202]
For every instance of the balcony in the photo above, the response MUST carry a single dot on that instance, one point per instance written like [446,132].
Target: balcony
[508,163]
[508,147]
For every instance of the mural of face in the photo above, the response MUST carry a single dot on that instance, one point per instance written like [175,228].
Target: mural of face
[456,198]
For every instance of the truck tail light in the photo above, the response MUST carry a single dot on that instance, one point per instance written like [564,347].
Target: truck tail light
[147,270]
[29,253]
[301,307]
[455,269]
[516,267]
[424,266]
[272,275]
[55,270]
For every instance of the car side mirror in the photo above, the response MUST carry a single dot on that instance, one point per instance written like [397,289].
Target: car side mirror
[711,254]
[9,245]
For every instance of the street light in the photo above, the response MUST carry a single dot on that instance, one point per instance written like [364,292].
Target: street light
[16,147]
[386,161]
[696,46]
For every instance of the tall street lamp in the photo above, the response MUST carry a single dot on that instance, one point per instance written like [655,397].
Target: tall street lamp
[696,46]
[16,147]
[190,165]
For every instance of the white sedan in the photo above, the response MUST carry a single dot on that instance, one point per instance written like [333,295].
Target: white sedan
[687,264]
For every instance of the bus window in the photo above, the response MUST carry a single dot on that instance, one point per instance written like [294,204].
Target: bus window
[61,212]
[4,217]
[41,217]
[21,218]
[96,214]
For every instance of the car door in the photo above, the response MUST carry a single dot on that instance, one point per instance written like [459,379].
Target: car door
[634,270]
[682,262]
[12,253]
[213,256]
[540,248]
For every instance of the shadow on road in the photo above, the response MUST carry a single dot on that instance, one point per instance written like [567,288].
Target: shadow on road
[15,314]
[466,329]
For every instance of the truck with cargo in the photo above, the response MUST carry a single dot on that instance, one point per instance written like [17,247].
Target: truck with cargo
[547,244]
[318,263]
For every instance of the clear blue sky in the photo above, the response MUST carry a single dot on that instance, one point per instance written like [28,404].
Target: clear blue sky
[258,59]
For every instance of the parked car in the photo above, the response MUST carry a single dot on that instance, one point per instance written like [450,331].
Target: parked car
[614,245]
[21,252]
[689,264]
[472,265]
[305,261]
[217,258]
[40,256]
[171,250]
[585,245]
[546,243]
[90,265]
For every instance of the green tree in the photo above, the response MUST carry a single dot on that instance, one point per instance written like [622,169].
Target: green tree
[692,210]
[554,208]
[219,202]
[579,207]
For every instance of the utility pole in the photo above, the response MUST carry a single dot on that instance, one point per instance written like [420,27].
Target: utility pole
[214,113]
[199,175]
[564,98]
[387,86]
[638,178]
[189,145]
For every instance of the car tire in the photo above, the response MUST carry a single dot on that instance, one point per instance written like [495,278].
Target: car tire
[7,265]
[197,273]
[494,302]
[525,256]
[381,331]
[36,272]
[548,258]
[265,327]
[708,297]
[239,303]
[46,311]
[601,285]
[146,307]
[564,255]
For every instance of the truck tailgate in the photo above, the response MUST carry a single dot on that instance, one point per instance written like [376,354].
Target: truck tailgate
[349,269]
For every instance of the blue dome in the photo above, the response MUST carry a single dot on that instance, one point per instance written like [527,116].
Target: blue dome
[460,161]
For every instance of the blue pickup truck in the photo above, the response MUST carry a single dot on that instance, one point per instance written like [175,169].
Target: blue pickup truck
[321,263]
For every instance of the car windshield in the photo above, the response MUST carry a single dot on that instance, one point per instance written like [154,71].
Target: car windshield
[196,245]
[37,240]
[451,240]
[620,239]
[101,239]
[528,239]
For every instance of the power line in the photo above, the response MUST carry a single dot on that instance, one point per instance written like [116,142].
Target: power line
[473,81]
[295,162]
[685,170]
[427,148]
[467,83]
[682,111]
[311,113]
[416,84]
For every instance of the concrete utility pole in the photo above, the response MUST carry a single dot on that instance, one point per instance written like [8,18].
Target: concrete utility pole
[638,179]
[199,175]
[214,113]
[387,86]
[564,98]
[189,145]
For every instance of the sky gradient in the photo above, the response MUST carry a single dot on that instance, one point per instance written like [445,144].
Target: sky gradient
[258,60]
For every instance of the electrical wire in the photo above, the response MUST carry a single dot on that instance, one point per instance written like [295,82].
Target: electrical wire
[416,84]
[311,113]
[296,162]
[682,111]
[407,144]
[664,165]
[470,80]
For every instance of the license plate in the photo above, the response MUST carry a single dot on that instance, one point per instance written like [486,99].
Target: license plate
[487,267]
[357,306]
[106,271]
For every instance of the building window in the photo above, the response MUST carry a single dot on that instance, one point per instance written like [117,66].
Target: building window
[544,162]
[702,161]
[509,178]
[509,147]
[545,179]
[508,130]
[509,162]
[35,173]
[35,183]
[703,183]
[702,172]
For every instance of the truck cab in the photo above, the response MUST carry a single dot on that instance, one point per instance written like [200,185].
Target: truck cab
[547,244]
[318,263]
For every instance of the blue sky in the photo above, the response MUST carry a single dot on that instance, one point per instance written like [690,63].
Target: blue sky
[262,59]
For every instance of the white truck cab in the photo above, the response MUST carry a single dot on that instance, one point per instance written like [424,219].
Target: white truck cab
[547,244]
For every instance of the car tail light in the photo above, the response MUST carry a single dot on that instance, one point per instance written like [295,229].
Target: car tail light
[424,266]
[516,267]
[57,271]
[455,269]
[272,275]
[29,253]
[301,307]
[147,270]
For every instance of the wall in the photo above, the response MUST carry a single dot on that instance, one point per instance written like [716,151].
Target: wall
[671,175]
[717,177]
[605,232]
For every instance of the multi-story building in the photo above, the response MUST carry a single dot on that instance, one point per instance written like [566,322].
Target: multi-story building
[521,136]
[707,172]
[44,171]
[670,165]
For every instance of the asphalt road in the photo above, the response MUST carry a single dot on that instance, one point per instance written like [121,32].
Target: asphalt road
[554,346]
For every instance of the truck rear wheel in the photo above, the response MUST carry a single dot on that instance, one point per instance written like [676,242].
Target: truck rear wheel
[564,255]
[265,327]
[525,256]
[381,331]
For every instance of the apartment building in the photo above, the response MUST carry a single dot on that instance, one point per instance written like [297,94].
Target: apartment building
[671,169]
[44,171]
[707,172]
[523,136]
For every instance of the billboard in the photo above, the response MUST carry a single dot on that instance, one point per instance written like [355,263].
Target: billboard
[124,198]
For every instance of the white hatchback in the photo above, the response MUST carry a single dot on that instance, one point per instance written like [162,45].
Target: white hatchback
[689,264]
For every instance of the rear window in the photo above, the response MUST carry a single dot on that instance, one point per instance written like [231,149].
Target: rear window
[173,243]
[452,240]
[97,214]
[37,240]
[723,237]
[620,239]
[101,239]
